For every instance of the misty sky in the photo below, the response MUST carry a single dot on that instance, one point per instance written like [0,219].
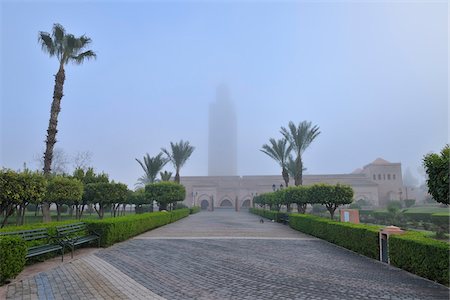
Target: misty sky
[372,75]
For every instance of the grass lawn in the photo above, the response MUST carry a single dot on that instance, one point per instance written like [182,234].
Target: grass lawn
[427,209]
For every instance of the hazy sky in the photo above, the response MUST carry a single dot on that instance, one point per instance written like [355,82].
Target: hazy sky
[372,75]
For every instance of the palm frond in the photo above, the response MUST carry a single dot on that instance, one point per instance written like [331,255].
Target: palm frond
[80,58]
[152,166]
[46,42]
[180,153]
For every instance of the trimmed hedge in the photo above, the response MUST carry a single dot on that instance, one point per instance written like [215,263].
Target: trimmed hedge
[420,255]
[360,238]
[418,216]
[441,220]
[113,230]
[12,257]
[269,214]
[13,249]
[194,210]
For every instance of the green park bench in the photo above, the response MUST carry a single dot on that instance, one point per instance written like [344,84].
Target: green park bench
[51,242]
[76,234]
[284,218]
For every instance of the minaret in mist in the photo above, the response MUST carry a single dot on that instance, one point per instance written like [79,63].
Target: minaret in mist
[222,156]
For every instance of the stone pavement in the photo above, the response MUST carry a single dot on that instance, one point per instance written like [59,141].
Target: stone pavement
[225,255]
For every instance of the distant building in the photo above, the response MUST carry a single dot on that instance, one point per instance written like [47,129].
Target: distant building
[377,183]
[222,151]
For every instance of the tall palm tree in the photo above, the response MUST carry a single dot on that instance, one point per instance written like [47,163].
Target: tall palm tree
[180,154]
[279,151]
[151,166]
[67,48]
[292,167]
[300,137]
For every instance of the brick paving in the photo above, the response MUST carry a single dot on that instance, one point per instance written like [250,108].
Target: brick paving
[225,255]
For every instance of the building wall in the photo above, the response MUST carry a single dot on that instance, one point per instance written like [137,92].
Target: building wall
[378,182]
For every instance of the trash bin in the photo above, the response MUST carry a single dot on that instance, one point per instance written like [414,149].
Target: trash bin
[383,241]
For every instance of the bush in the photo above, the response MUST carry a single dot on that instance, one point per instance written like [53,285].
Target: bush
[194,210]
[12,257]
[180,205]
[269,214]
[113,230]
[420,255]
[360,238]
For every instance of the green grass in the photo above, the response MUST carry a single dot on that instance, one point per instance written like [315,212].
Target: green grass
[427,209]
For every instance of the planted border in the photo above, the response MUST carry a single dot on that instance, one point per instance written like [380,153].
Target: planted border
[113,230]
[12,257]
[13,249]
[363,239]
[423,256]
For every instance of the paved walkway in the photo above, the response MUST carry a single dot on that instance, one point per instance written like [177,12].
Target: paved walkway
[224,255]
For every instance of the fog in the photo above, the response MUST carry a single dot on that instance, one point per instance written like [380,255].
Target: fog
[373,76]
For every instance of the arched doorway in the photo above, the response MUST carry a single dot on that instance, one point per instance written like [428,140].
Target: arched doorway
[204,204]
[226,203]
[246,203]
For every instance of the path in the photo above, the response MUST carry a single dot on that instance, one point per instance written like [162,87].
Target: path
[225,255]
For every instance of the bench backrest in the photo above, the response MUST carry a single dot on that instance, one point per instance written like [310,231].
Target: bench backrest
[29,235]
[70,228]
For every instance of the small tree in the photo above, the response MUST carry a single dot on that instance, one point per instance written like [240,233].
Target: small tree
[63,190]
[331,196]
[437,168]
[298,195]
[11,193]
[86,177]
[34,188]
[165,193]
[119,194]
[99,194]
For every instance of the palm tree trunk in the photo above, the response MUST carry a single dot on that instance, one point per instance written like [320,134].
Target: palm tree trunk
[285,175]
[51,132]
[299,171]
[177,177]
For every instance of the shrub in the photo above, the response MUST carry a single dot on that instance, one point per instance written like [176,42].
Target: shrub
[12,257]
[360,238]
[441,220]
[194,210]
[420,255]
[113,230]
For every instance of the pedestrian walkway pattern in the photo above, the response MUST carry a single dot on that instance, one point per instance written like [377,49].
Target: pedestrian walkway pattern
[197,259]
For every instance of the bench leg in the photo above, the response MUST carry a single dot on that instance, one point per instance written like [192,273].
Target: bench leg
[62,254]
[73,249]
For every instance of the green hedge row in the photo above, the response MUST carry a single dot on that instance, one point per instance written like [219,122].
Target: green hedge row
[418,216]
[420,255]
[113,230]
[13,249]
[12,257]
[356,237]
[194,209]
[269,214]
[441,220]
